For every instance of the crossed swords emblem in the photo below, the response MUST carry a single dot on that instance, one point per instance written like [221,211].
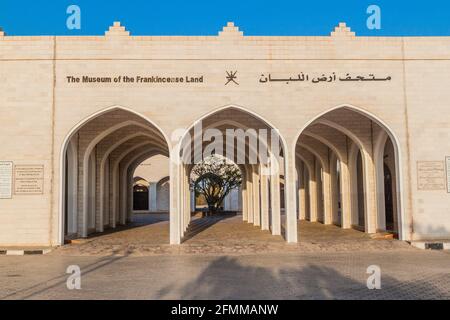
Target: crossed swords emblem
[231,77]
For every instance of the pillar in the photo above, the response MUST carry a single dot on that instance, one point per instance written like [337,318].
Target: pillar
[313,196]
[346,204]
[334,192]
[290,191]
[264,179]
[184,200]
[175,168]
[123,193]
[188,201]
[115,197]
[327,219]
[301,192]
[106,212]
[250,196]
[130,196]
[319,191]
[370,192]
[244,200]
[275,210]
[256,196]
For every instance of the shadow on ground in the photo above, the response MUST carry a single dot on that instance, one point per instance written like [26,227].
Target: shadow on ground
[139,220]
[225,278]
[199,225]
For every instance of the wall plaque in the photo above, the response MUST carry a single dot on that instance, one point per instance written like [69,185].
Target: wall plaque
[28,179]
[431,175]
[6,172]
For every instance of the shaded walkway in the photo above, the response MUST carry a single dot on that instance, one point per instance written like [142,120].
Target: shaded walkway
[225,234]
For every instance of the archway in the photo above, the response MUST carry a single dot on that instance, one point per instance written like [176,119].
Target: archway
[235,132]
[350,146]
[94,161]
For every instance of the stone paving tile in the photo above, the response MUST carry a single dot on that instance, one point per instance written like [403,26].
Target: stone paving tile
[405,274]
[223,235]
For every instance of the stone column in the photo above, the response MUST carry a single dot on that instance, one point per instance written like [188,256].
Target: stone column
[115,197]
[370,193]
[175,168]
[130,197]
[256,196]
[250,197]
[346,204]
[312,197]
[290,191]
[327,219]
[123,196]
[306,175]
[186,198]
[187,201]
[275,209]
[264,200]
[319,192]
[301,192]
[334,192]
[244,200]
[183,201]
[106,209]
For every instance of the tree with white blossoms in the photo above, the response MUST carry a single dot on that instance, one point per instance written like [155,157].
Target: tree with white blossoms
[214,178]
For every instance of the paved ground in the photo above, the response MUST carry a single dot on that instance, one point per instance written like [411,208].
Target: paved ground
[404,275]
[224,258]
[149,235]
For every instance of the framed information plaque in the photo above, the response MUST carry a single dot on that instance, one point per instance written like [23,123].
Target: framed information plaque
[431,175]
[29,179]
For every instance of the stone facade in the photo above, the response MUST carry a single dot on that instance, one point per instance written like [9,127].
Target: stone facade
[45,109]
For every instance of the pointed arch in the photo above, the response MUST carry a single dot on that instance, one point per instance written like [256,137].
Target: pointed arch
[152,126]
[254,121]
[403,229]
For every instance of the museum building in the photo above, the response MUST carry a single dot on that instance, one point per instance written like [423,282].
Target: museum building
[94,129]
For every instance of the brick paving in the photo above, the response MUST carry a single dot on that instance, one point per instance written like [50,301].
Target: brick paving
[224,258]
[149,235]
[405,274]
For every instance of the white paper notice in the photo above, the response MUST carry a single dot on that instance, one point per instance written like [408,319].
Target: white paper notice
[6,170]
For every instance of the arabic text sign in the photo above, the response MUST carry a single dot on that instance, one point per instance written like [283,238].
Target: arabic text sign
[332,77]
[431,175]
[29,179]
[6,170]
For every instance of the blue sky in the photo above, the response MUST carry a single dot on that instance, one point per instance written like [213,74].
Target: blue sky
[203,17]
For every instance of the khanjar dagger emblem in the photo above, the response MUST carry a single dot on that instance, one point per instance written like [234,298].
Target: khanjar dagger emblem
[231,77]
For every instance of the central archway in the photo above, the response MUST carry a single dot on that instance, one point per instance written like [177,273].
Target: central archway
[261,160]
